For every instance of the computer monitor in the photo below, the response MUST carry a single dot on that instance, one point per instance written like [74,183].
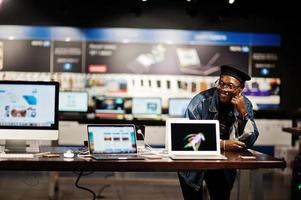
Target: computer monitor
[177,106]
[28,111]
[111,105]
[73,101]
[146,106]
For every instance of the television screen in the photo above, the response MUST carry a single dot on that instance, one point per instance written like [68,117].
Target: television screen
[146,106]
[73,101]
[177,106]
[27,104]
[109,104]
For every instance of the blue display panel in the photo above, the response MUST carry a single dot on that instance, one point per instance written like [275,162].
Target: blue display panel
[139,35]
[139,51]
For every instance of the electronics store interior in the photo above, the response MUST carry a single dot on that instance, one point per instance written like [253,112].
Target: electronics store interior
[147,99]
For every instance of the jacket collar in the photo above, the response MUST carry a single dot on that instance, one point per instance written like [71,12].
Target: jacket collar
[214,102]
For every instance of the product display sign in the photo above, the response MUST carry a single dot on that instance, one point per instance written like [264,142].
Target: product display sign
[25,55]
[127,61]
[162,58]
[265,61]
[67,56]
[136,51]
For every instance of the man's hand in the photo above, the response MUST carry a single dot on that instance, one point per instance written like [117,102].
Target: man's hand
[234,145]
[239,104]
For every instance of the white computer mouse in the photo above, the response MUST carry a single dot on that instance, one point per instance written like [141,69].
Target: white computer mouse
[68,154]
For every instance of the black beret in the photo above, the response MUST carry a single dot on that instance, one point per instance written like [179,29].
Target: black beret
[235,72]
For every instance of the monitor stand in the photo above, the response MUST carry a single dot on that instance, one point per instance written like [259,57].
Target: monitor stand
[21,146]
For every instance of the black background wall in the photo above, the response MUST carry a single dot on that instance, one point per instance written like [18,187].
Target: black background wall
[244,15]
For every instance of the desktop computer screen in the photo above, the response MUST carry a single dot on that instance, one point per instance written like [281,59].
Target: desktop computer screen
[73,101]
[177,106]
[146,106]
[113,105]
[28,110]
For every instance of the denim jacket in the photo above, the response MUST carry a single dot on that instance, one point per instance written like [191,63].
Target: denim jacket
[205,106]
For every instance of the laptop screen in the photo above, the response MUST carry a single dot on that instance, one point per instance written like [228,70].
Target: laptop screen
[71,101]
[109,104]
[177,106]
[108,139]
[146,106]
[193,137]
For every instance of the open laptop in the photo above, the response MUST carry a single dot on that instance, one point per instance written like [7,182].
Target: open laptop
[146,107]
[113,142]
[177,106]
[109,107]
[193,139]
[73,104]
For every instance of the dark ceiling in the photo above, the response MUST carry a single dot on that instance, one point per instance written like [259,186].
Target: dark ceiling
[92,8]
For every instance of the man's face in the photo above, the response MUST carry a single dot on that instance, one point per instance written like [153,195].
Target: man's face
[228,87]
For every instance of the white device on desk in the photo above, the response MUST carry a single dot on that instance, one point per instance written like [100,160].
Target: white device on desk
[193,139]
[68,154]
[28,113]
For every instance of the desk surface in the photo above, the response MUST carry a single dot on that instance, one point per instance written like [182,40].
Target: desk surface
[165,164]
[292,130]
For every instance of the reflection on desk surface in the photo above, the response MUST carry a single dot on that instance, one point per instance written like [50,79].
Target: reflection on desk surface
[234,161]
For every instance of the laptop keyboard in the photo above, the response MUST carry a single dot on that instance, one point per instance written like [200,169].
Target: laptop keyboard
[117,157]
[16,155]
[199,157]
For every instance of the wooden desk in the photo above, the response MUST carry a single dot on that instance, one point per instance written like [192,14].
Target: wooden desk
[246,177]
[292,130]
[295,131]
[164,164]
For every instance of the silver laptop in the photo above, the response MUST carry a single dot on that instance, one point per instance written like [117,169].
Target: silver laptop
[193,139]
[113,142]
[146,107]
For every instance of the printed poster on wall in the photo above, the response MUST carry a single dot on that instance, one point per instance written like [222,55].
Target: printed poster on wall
[67,56]
[25,55]
[143,58]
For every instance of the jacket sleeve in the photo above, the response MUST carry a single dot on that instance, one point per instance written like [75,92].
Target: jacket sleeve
[192,110]
[250,131]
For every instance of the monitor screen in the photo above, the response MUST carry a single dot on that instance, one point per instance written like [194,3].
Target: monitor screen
[109,104]
[177,106]
[112,139]
[71,101]
[193,136]
[146,106]
[28,105]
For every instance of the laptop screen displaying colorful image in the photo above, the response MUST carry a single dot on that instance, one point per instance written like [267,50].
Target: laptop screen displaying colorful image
[193,137]
[105,104]
[112,139]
